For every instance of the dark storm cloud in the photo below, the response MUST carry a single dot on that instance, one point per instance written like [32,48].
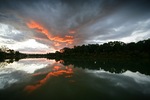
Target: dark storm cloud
[94,21]
[60,15]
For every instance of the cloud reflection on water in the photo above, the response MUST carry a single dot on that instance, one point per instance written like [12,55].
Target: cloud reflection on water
[20,71]
[57,71]
[133,82]
[50,78]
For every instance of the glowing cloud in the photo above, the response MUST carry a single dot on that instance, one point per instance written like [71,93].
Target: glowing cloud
[39,28]
[65,23]
[72,31]
[56,39]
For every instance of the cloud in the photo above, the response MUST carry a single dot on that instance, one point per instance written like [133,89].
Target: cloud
[61,23]
[30,46]
[9,32]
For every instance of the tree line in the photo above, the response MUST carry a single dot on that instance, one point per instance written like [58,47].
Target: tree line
[116,49]
[6,53]
[110,49]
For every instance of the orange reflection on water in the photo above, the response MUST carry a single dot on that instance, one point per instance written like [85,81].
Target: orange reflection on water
[67,73]
[56,68]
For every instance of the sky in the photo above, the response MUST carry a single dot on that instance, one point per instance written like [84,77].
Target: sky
[42,26]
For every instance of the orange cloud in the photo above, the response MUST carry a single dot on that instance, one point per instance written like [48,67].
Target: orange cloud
[72,31]
[39,28]
[57,39]
[57,44]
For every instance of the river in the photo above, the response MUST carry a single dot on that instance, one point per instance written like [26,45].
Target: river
[44,79]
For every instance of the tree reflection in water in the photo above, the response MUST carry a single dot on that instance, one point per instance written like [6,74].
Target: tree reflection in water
[75,79]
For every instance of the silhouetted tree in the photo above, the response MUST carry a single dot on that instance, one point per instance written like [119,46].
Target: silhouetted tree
[110,49]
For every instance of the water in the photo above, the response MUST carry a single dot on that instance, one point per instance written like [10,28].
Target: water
[43,79]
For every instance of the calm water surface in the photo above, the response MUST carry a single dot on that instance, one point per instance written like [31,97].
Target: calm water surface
[43,79]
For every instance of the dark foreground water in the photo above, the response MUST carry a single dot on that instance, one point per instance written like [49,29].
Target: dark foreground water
[42,79]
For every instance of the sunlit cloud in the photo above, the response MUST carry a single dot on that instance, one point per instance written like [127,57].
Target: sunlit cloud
[63,23]
[56,39]
[30,46]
